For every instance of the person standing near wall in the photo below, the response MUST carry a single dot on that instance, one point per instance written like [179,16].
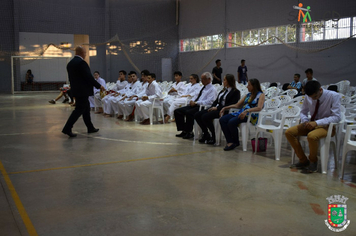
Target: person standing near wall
[29,77]
[81,82]
[242,73]
[217,72]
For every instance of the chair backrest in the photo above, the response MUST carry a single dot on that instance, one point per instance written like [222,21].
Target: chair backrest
[345,99]
[265,84]
[291,114]
[343,86]
[291,92]
[272,92]
[283,98]
[299,99]
[272,104]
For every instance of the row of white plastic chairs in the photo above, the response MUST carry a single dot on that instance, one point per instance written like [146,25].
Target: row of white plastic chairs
[280,114]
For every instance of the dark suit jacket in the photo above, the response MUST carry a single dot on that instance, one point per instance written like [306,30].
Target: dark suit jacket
[80,78]
[231,98]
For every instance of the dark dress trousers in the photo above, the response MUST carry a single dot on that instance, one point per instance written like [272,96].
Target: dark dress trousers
[205,118]
[81,83]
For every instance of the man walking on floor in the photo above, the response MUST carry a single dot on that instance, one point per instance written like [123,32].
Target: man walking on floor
[81,82]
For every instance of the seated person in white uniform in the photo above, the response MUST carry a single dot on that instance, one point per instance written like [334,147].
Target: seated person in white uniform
[106,101]
[121,81]
[177,89]
[153,91]
[120,84]
[129,103]
[191,90]
[96,95]
[113,107]
[135,88]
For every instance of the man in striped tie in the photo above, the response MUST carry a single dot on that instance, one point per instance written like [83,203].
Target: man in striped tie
[324,108]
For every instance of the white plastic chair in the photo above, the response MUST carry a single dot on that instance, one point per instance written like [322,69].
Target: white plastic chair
[343,86]
[288,113]
[295,101]
[244,130]
[284,99]
[156,106]
[290,92]
[272,104]
[272,92]
[196,128]
[265,84]
[324,145]
[349,145]
[345,100]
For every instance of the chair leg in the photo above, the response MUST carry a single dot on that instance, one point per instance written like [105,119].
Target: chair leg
[217,132]
[195,130]
[335,155]
[277,146]
[344,153]
[244,136]
[162,112]
[324,155]
[256,140]
[151,115]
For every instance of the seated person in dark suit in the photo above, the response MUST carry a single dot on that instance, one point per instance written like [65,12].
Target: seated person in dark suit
[228,96]
[185,115]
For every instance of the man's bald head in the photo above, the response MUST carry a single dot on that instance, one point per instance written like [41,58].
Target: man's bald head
[80,51]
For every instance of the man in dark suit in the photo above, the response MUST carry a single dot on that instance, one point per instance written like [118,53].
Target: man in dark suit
[185,115]
[81,83]
[228,96]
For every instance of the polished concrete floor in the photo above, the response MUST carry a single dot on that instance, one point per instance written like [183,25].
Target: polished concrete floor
[130,179]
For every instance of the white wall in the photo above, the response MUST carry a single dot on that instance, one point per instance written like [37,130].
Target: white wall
[44,69]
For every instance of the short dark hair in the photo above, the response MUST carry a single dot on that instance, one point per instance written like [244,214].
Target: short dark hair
[96,72]
[132,72]
[309,70]
[153,75]
[122,71]
[178,73]
[216,62]
[145,72]
[242,60]
[312,87]
[196,77]
[298,75]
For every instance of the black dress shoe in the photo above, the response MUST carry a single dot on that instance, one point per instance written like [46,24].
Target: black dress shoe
[181,134]
[189,135]
[203,140]
[300,165]
[231,147]
[211,141]
[93,131]
[312,168]
[70,134]
[65,100]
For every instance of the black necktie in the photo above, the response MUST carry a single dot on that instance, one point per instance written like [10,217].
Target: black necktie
[222,98]
[200,93]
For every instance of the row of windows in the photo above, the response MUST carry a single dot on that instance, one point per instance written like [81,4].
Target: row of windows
[307,32]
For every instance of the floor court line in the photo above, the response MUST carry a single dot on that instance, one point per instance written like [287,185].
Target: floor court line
[105,163]
[21,209]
